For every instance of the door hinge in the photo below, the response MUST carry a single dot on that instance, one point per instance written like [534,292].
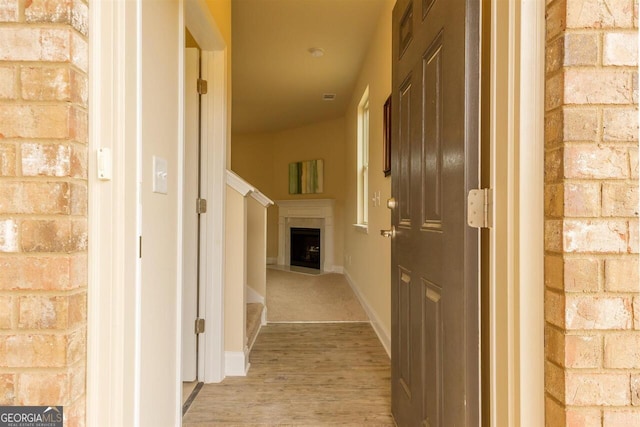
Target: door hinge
[201,206]
[199,326]
[202,87]
[479,208]
[139,246]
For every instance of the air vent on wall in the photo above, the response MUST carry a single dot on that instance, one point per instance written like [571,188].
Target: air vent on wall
[328,96]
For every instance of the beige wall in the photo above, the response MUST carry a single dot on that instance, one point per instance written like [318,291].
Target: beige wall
[368,255]
[263,160]
[235,271]
[256,246]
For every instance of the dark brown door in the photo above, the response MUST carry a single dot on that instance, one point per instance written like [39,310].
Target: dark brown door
[435,296]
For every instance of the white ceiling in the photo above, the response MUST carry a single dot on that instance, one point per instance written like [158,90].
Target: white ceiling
[276,83]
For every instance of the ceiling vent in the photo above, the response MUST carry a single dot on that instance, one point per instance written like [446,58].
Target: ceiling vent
[328,96]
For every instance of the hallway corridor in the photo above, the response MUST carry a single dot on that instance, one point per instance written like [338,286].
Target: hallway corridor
[303,375]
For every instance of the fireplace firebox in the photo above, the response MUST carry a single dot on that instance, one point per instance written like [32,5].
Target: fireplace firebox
[305,247]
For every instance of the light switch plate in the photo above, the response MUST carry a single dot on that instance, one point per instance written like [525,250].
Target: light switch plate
[160,170]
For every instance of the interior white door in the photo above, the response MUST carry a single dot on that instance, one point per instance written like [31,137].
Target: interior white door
[190,217]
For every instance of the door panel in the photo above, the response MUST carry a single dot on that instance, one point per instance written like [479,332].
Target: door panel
[404,147]
[405,340]
[435,327]
[432,148]
[432,341]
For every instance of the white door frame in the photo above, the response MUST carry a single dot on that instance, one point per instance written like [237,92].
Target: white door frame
[517,239]
[113,281]
[113,341]
[215,136]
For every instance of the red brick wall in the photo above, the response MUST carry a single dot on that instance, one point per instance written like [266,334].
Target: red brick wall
[592,298]
[43,204]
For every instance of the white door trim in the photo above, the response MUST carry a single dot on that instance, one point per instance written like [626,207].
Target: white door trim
[517,240]
[203,28]
[214,162]
[215,136]
[113,280]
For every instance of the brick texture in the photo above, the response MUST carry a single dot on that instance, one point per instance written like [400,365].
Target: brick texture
[610,389]
[622,351]
[592,298]
[621,274]
[621,418]
[43,204]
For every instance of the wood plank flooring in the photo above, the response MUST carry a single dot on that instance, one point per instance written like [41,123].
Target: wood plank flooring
[303,375]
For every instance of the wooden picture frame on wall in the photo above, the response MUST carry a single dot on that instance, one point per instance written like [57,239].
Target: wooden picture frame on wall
[386,155]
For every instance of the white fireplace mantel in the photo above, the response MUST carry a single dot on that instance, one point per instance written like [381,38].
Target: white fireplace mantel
[311,213]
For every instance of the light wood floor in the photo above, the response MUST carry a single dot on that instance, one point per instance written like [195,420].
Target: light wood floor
[303,375]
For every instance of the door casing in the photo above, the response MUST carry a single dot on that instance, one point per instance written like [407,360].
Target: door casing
[516,277]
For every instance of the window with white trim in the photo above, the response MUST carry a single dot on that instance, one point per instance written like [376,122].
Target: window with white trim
[363,159]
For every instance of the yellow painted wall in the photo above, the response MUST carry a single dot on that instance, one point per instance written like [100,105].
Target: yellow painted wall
[221,12]
[263,160]
[324,141]
[252,159]
[368,256]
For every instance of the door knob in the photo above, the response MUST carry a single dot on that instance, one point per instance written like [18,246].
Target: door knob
[391,203]
[389,233]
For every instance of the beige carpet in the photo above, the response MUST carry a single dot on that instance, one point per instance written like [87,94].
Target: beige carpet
[295,297]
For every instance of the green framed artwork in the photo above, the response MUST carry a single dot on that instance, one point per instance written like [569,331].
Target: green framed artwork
[306,177]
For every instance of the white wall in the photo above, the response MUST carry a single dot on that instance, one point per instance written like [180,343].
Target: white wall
[367,256]
[160,134]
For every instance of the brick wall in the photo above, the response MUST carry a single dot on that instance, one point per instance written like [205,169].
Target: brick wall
[43,204]
[592,300]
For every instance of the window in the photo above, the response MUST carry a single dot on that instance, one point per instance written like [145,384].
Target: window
[363,160]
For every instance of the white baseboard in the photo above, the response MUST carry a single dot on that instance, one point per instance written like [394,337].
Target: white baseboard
[253,296]
[383,335]
[236,363]
[338,269]
[263,320]
[272,261]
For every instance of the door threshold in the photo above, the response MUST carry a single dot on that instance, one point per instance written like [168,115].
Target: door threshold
[187,403]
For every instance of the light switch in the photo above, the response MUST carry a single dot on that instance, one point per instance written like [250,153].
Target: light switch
[159,175]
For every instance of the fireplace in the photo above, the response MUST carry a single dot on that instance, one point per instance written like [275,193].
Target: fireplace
[305,247]
[306,214]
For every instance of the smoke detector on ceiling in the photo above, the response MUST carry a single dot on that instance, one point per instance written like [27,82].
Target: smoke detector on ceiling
[316,52]
[328,96]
